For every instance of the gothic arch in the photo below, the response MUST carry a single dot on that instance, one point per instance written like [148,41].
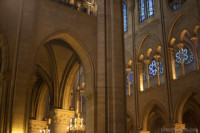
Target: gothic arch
[147,110]
[181,103]
[150,41]
[184,22]
[130,122]
[81,51]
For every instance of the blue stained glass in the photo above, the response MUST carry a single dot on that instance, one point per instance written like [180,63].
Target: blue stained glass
[125,17]
[150,8]
[188,57]
[142,10]
[153,68]
[131,77]
[146,9]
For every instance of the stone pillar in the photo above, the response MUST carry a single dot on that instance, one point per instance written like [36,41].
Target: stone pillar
[157,67]
[3,98]
[129,84]
[89,96]
[35,126]
[172,63]
[178,128]
[193,39]
[111,97]
[140,76]
[180,46]
[147,71]
[60,120]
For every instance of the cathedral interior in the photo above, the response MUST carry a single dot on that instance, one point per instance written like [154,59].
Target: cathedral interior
[99,66]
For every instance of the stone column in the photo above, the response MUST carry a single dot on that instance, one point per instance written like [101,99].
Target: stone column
[111,97]
[89,96]
[157,66]
[60,120]
[193,39]
[147,71]
[140,76]
[35,126]
[129,84]
[178,128]
[173,69]
[180,46]
[3,98]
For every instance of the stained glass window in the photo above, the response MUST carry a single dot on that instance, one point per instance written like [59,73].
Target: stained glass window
[153,68]
[188,57]
[146,9]
[130,78]
[175,4]
[125,16]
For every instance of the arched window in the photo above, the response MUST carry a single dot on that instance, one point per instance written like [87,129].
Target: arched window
[153,68]
[175,4]
[125,16]
[187,55]
[146,9]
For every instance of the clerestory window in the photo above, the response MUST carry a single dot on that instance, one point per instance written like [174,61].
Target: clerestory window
[146,9]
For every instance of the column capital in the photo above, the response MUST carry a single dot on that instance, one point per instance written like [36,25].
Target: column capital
[146,61]
[193,39]
[178,127]
[180,45]
[128,70]
[157,57]
[35,126]
[61,116]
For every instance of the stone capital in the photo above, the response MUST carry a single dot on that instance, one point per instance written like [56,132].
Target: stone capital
[128,70]
[35,126]
[146,61]
[180,45]
[60,119]
[156,57]
[178,127]
[193,39]
[61,116]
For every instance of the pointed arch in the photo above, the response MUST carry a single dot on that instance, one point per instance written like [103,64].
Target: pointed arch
[181,103]
[147,110]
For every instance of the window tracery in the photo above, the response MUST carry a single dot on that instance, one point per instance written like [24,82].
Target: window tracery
[153,68]
[187,57]
[146,9]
